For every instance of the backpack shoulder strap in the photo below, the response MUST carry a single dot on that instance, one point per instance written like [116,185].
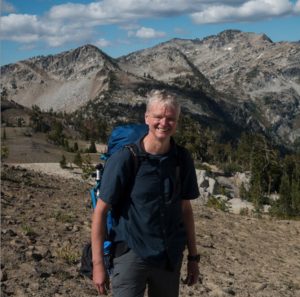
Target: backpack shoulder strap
[135,156]
[179,167]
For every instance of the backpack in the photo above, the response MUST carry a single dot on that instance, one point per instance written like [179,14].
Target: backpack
[121,136]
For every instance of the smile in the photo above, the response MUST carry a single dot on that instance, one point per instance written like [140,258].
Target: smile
[164,129]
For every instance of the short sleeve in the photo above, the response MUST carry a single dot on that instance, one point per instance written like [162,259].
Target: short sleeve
[114,179]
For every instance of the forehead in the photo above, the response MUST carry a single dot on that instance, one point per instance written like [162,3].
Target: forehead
[160,107]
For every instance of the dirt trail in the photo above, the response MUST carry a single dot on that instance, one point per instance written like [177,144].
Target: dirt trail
[45,221]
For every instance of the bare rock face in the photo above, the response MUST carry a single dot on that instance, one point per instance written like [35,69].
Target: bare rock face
[63,82]
[233,79]
[256,73]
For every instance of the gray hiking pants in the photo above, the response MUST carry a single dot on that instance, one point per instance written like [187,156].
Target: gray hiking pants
[132,275]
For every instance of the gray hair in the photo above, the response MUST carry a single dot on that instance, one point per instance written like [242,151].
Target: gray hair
[164,97]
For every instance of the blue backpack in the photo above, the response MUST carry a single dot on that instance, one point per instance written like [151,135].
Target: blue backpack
[121,136]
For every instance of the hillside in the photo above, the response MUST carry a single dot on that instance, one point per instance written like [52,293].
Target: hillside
[260,75]
[45,222]
[234,81]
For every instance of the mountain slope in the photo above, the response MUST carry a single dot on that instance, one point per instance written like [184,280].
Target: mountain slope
[63,82]
[249,68]
[41,246]
[232,81]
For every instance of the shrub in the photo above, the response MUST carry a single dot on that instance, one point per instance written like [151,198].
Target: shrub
[217,204]
[244,211]
[68,254]
[63,162]
[78,159]
[4,152]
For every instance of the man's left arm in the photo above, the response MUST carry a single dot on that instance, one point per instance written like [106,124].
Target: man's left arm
[192,264]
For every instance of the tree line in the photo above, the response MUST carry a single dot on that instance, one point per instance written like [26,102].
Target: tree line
[272,171]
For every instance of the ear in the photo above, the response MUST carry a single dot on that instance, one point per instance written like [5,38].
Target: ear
[146,118]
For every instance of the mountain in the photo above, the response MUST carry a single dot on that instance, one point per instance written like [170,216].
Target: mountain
[62,82]
[231,82]
[249,68]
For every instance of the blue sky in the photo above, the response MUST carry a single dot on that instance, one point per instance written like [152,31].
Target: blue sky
[118,27]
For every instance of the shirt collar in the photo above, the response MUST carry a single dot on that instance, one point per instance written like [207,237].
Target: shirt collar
[171,152]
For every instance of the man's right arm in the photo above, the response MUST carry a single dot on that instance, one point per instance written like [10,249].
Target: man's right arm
[98,235]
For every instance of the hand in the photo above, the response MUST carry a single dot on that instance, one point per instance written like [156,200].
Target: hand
[100,279]
[192,273]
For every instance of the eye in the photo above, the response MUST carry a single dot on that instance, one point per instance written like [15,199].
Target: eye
[171,119]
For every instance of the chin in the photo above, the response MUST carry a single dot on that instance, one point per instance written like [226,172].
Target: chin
[160,135]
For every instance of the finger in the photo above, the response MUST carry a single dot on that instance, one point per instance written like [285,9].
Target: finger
[191,279]
[101,289]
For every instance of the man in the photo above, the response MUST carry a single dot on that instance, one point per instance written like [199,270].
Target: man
[155,220]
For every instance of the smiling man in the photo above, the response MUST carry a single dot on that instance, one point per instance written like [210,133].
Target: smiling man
[155,218]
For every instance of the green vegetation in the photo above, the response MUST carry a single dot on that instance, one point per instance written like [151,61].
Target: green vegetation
[272,169]
[28,231]
[92,148]
[38,121]
[87,167]
[4,152]
[63,162]
[69,254]
[288,204]
[4,137]
[77,159]
[217,204]
[64,217]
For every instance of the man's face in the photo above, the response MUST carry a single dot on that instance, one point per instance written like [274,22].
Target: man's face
[162,120]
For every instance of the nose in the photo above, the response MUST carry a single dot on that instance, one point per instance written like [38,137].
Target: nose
[163,121]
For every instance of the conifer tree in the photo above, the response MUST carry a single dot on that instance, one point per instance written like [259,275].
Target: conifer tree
[76,147]
[295,196]
[77,159]
[63,162]
[256,193]
[4,137]
[285,200]
[92,148]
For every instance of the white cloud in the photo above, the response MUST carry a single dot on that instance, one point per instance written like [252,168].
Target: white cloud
[66,36]
[102,43]
[72,22]
[7,7]
[20,27]
[149,33]
[24,28]
[249,11]
[297,7]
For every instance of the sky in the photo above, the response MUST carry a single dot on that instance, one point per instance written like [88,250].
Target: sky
[119,27]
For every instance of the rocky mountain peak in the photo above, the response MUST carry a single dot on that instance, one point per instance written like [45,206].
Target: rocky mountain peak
[241,76]
[228,35]
[250,68]
[64,81]
[78,62]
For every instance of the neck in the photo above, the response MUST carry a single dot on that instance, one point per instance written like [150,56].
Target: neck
[155,146]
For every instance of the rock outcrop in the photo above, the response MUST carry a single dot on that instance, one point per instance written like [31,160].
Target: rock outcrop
[234,79]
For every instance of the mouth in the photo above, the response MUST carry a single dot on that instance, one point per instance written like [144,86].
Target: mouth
[163,129]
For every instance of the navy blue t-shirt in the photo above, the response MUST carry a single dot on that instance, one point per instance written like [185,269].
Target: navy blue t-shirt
[148,207]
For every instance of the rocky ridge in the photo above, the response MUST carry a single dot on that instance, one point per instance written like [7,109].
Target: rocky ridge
[234,79]
[253,71]
[60,82]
